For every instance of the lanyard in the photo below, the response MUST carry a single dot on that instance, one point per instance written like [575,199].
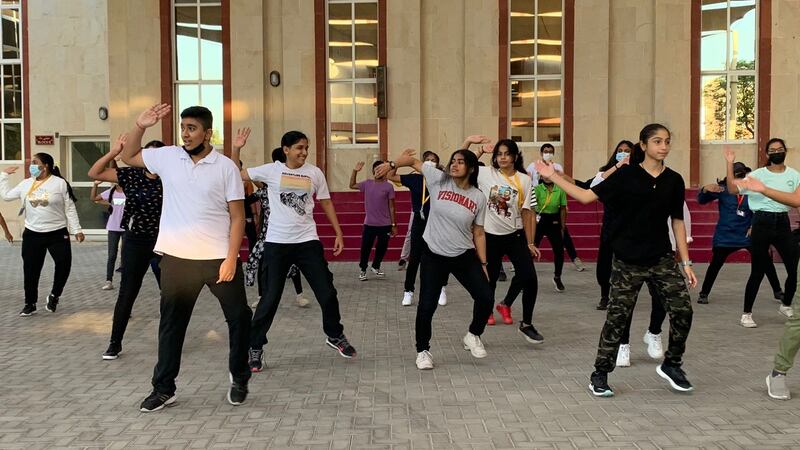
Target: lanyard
[35,185]
[739,200]
[547,200]
[425,198]
[516,184]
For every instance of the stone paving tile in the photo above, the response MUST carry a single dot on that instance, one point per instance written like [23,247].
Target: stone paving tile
[57,393]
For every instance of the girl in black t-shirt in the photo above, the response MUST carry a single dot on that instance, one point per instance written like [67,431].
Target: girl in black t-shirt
[643,195]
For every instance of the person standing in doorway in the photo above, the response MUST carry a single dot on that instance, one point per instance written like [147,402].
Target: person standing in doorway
[379,222]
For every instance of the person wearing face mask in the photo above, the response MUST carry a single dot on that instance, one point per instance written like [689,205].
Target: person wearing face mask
[770,225]
[420,208]
[50,217]
[379,222]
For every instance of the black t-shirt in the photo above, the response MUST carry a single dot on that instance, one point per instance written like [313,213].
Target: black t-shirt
[143,198]
[413,181]
[641,205]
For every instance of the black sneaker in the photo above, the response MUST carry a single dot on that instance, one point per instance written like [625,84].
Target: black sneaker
[675,376]
[256,360]
[113,351]
[603,305]
[530,333]
[598,385]
[237,393]
[28,310]
[703,299]
[778,295]
[502,276]
[342,346]
[558,284]
[156,401]
[52,303]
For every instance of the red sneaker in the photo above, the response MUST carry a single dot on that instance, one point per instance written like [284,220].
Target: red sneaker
[491,320]
[505,312]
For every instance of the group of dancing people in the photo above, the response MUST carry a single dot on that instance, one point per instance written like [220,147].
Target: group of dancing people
[184,216]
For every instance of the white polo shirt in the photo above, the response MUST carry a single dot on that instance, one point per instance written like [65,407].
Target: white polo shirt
[195,220]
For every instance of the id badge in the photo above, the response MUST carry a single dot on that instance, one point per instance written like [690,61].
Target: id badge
[538,218]
[740,213]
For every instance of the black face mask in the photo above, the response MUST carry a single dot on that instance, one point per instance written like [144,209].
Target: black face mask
[777,158]
[194,151]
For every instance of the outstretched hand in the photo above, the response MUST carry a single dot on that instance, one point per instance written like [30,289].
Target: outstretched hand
[477,139]
[359,166]
[152,115]
[713,187]
[116,149]
[543,169]
[382,170]
[240,140]
[730,155]
[750,184]
[11,170]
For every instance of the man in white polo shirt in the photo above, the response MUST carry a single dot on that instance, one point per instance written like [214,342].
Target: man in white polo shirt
[201,229]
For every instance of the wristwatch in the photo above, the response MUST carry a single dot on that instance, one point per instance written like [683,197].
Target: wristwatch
[687,263]
[392,165]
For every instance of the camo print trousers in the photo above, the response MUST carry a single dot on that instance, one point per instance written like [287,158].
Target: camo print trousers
[626,281]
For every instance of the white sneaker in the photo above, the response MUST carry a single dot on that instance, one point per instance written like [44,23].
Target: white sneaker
[578,265]
[362,276]
[108,286]
[474,345]
[443,297]
[624,356]
[378,272]
[654,347]
[786,310]
[747,321]
[301,301]
[424,360]
[408,297]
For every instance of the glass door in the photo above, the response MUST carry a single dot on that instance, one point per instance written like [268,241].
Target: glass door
[81,155]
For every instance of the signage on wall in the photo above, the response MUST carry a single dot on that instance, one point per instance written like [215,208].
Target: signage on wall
[45,140]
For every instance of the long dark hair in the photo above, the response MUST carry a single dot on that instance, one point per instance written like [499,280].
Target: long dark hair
[770,142]
[513,149]
[613,159]
[471,162]
[48,162]
[649,130]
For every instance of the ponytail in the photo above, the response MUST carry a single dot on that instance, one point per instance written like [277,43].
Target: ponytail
[637,154]
[55,171]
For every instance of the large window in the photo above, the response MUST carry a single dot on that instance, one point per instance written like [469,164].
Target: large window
[352,60]
[535,75]
[728,70]
[11,64]
[198,60]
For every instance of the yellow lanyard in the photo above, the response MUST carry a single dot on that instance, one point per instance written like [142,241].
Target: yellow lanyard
[425,197]
[516,184]
[547,200]
[35,185]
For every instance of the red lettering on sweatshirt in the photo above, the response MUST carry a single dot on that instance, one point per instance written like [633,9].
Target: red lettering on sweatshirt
[460,199]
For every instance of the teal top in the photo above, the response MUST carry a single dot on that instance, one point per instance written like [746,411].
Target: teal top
[786,181]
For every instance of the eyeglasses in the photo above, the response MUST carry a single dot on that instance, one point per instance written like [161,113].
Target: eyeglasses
[776,150]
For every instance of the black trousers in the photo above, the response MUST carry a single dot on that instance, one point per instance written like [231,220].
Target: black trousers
[515,246]
[434,272]
[603,270]
[368,237]
[770,229]
[550,225]
[569,246]
[137,255]
[35,246]
[182,282]
[114,238]
[310,259]
[718,257]
[294,275]
[657,315]
[417,245]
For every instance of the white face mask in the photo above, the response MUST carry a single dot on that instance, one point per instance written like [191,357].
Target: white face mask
[547,156]
[429,163]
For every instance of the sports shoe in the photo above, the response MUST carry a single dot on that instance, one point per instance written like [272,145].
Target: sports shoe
[443,297]
[301,301]
[107,286]
[491,320]
[624,355]
[424,360]
[776,386]
[502,276]
[362,276]
[530,333]
[378,272]
[747,321]
[52,303]
[156,401]
[341,345]
[255,359]
[654,347]
[786,310]
[778,295]
[474,345]
[603,305]
[598,385]
[675,376]
[703,299]
[401,265]
[28,310]
[237,393]
[578,265]
[408,298]
[113,351]
[558,284]
[505,313]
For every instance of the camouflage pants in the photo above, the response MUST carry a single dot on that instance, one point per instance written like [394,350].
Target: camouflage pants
[626,281]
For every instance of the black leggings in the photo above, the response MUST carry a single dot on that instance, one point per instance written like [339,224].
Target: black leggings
[718,257]
[771,229]
[550,225]
[603,273]
[368,237]
[516,247]
[35,246]
[569,246]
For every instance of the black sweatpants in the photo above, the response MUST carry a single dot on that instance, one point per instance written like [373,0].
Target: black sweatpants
[35,246]
[137,254]
[718,257]
[770,229]
[515,246]
[603,270]
[569,246]
[181,284]
[310,259]
[550,225]
[434,272]
[368,237]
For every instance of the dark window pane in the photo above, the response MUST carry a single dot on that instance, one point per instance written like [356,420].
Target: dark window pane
[12,91]
[548,111]
[366,114]
[11,27]
[523,110]
[340,41]
[366,39]
[523,38]
[341,101]
[12,141]
[84,154]
[211,43]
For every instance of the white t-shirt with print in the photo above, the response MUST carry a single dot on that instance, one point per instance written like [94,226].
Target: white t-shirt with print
[291,200]
[506,197]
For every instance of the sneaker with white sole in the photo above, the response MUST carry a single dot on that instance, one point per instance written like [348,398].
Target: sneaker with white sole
[786,310]
[578,265]
[378,272]
[654,347]
[747,321]
[474,345]
[156,401]
[624,355]
[301,301]
[558,284]
[776,386]
[424,360]
[362,276]
[408,298]
[443,297]
[675,376]
[107,286]
[598,385]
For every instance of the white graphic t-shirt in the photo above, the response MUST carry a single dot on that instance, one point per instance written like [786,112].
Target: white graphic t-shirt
[507,197]
[291,200]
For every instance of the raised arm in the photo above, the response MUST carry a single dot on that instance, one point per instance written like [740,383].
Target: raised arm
[100,170]
[730,157]
[236,151]
[359,165]
[132,150]
[406,159]
[6,193]
[95,197]
[582,195]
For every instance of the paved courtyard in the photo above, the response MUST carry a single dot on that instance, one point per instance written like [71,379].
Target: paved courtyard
[56,392]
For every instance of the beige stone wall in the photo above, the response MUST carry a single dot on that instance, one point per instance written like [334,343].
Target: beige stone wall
[785,97]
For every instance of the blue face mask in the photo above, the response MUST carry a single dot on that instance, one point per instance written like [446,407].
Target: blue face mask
[621,156]
[34,170]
